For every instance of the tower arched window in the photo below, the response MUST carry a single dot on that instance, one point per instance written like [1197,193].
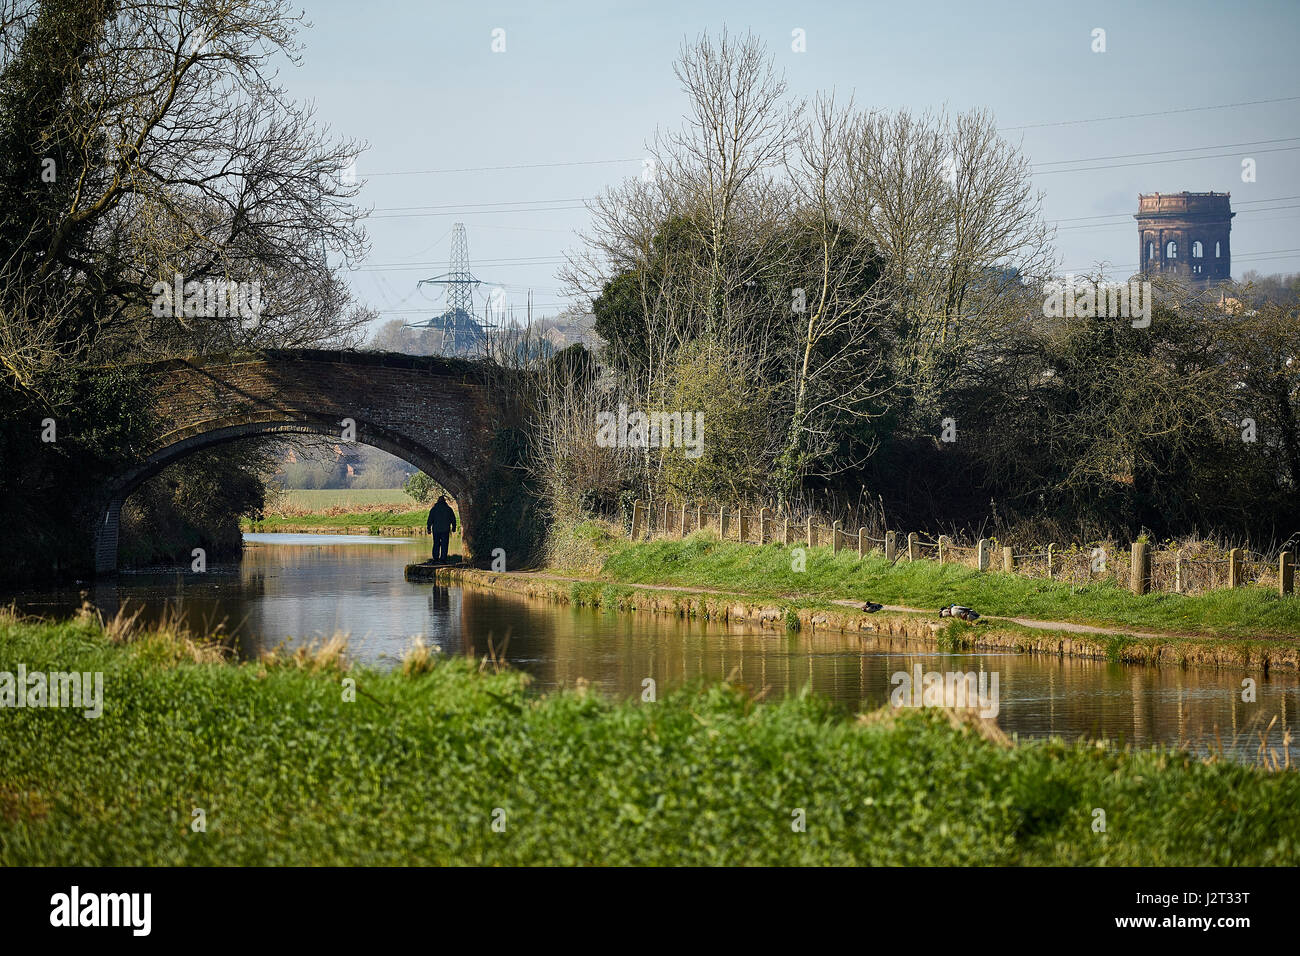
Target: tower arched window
[1217,253]
[1198,250]
[1171,250]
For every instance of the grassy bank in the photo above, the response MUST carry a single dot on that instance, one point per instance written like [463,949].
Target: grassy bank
[703,561]
[1248,655]
[287,772]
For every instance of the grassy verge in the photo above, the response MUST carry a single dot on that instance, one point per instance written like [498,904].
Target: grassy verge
[703,561]
[417,769]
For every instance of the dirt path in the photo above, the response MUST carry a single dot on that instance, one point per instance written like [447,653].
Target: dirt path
[1034,622]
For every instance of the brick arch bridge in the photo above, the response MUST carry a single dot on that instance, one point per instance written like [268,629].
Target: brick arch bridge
[436,413]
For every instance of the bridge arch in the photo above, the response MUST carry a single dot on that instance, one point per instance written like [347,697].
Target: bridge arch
[431,412]
[107,528]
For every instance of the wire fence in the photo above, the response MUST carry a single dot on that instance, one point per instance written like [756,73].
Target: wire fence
[1184,572]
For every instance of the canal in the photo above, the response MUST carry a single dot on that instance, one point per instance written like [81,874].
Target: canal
[295,588]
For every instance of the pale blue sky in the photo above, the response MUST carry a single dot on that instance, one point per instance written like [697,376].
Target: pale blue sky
[589,81]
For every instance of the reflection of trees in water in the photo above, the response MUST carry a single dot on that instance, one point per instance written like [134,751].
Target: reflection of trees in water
[1039,695]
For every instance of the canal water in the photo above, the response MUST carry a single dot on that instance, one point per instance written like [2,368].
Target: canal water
[291,589]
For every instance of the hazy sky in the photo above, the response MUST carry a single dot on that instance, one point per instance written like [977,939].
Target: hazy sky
[589,82]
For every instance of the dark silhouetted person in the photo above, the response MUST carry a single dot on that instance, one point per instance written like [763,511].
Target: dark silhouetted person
[439,599]
[441,523]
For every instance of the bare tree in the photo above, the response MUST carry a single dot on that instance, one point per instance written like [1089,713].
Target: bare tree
[952,207]
[187,158]
[698,231]
[836,364]
[737,130]
[31,345]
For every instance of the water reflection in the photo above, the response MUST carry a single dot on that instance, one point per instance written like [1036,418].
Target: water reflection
[295,588]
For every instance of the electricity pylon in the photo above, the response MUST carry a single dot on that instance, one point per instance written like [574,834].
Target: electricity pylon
[461,331]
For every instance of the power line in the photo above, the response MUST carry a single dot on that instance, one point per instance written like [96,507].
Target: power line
[1125,226]
[1188,109]
[524,229]
[638,159]
[473,205]
[1114,225]
[536,305]
[1159,162]
[488,263]
[488,169]
[1244,202]
[475,212]
[523,206]
[1236,257]
[532,205]
[1165,152]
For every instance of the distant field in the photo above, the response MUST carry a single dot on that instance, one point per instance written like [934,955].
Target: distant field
[374,518]
[318,499]
[340,508]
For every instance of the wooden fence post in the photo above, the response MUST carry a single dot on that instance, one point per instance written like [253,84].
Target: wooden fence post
[982,559]
[1234,568]
[681,525]
[1008,560]
[812,533]
[835,537]
[1285,573]
[764,520]
[945,545]
[638,519]
[863,543]
[891,545]
[1140,568]
[1178,572]
[787,531]
[913,547]
[722,522]
[742,525]
[1051,560]
[663,522]
[699,517]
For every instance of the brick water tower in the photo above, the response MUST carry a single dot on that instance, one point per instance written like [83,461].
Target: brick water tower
[1186,235]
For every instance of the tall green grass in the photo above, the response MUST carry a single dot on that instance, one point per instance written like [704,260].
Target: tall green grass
[419,766]
[701,560]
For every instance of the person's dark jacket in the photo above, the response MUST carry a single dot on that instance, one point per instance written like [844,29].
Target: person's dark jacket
[441,519]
